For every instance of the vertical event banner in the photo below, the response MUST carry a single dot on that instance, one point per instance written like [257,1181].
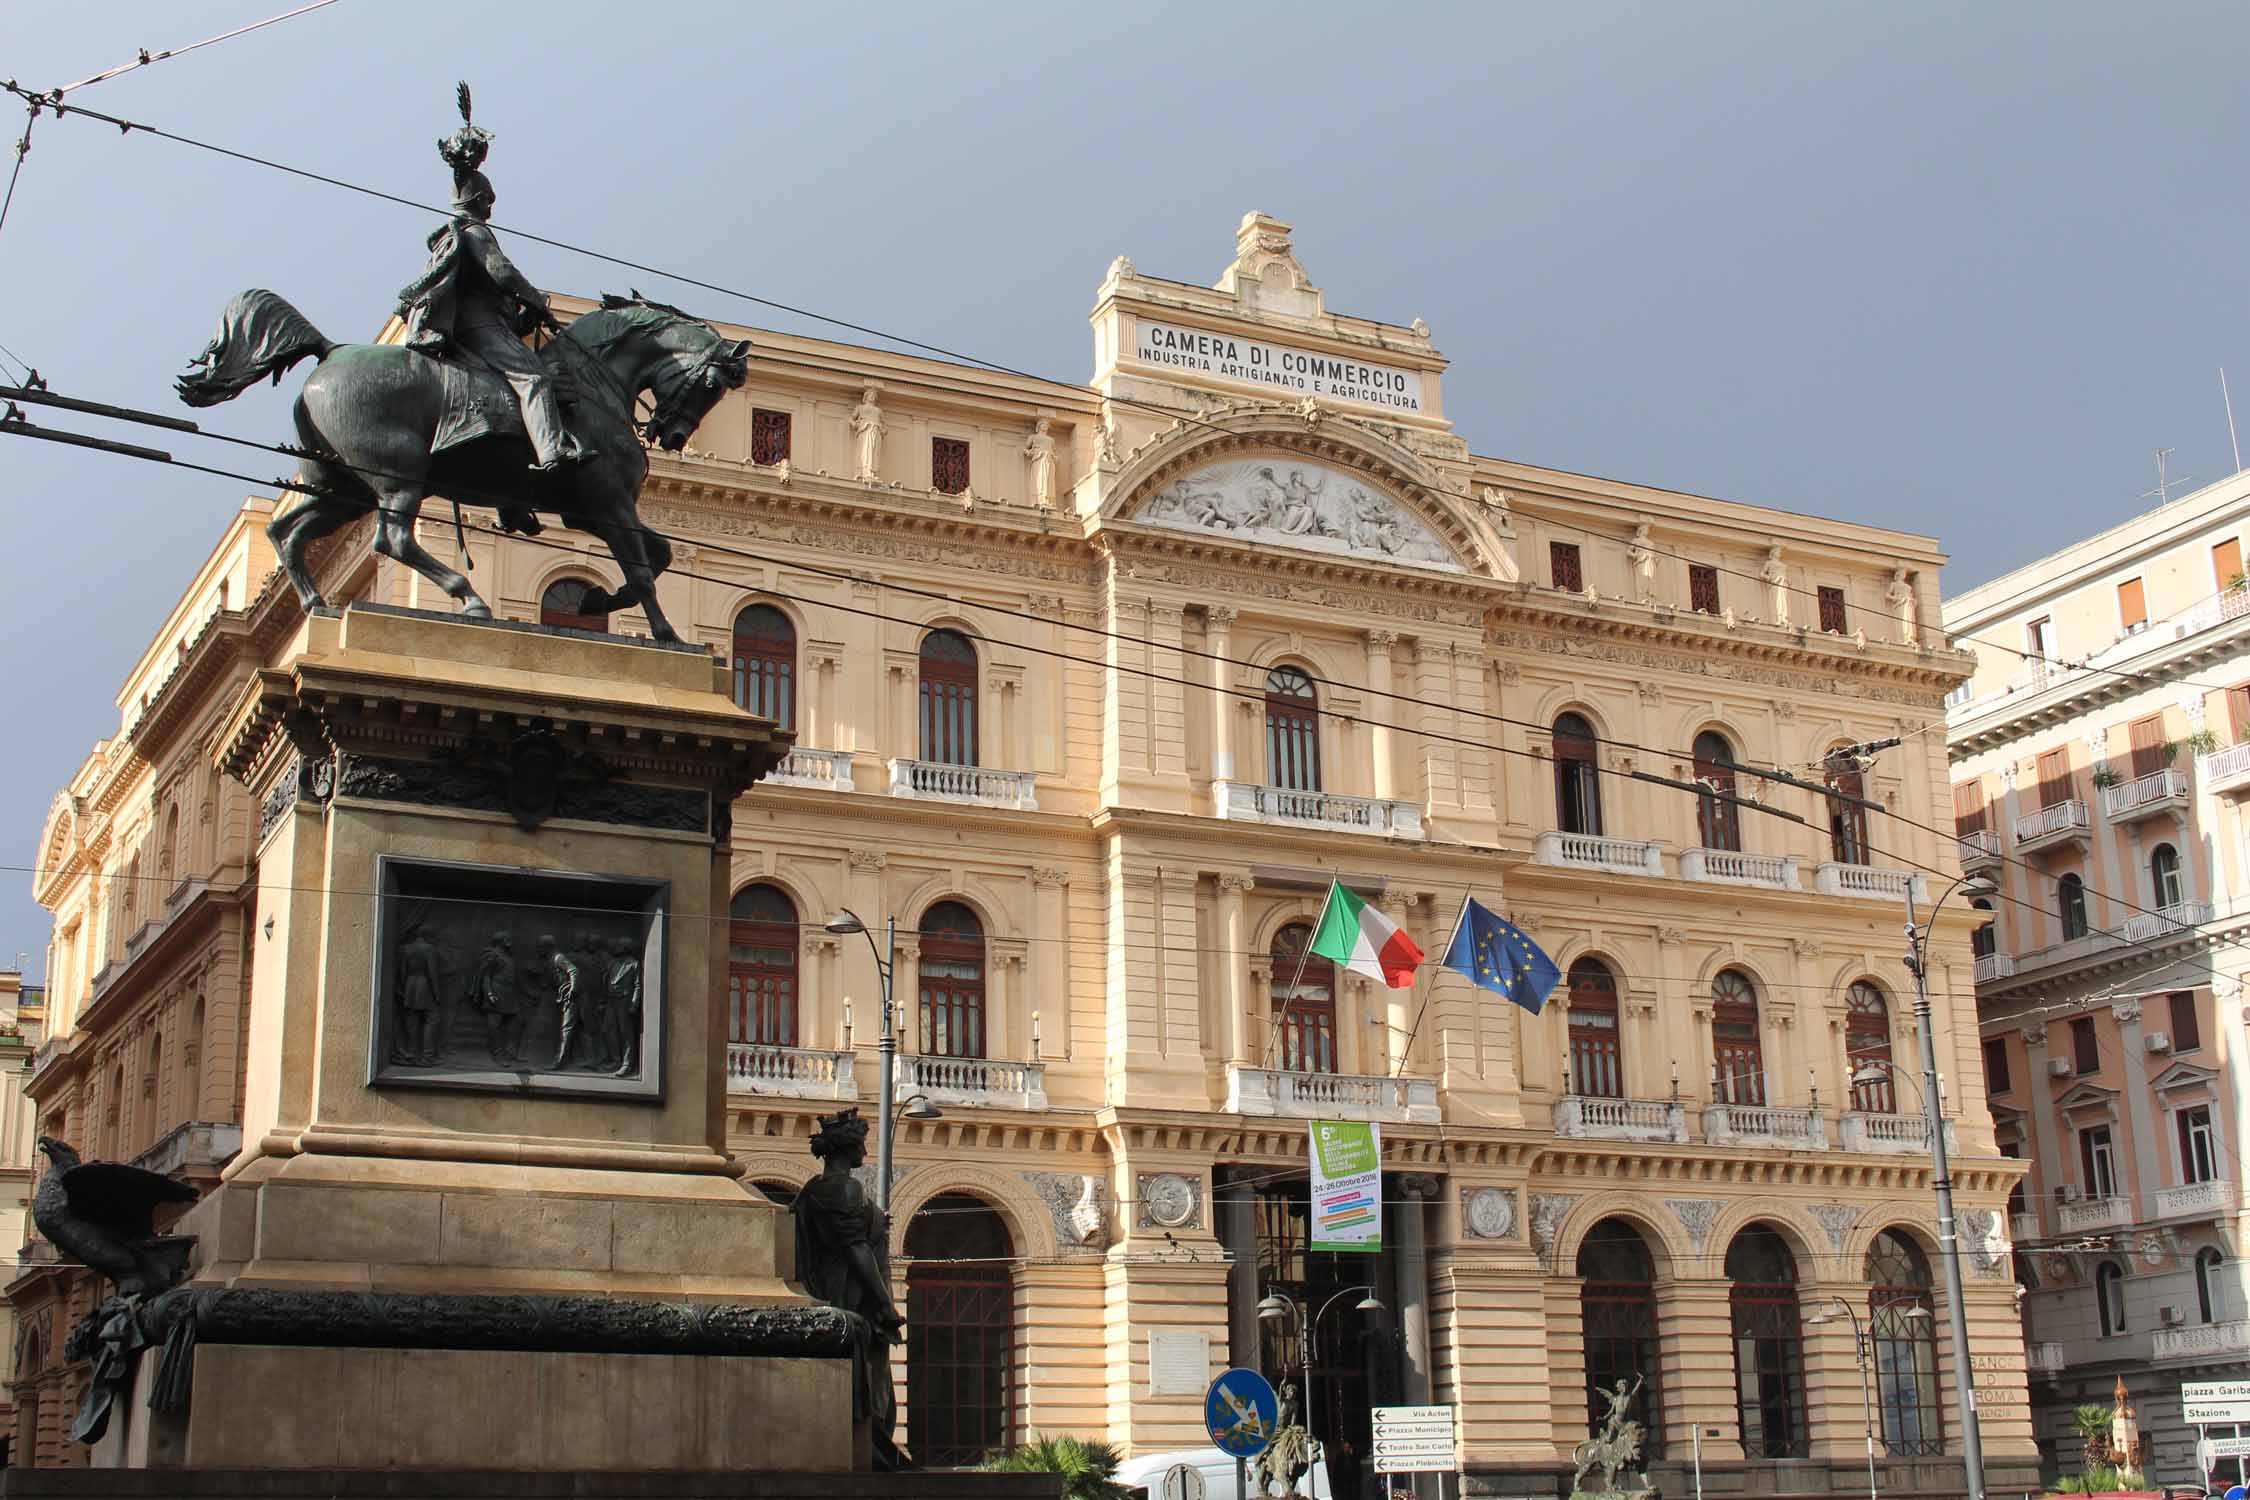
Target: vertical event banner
[1347,1186]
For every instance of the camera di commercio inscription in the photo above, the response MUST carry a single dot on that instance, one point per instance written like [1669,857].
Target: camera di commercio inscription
[534,981]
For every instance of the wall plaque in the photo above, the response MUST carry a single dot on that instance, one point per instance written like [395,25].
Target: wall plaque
[1179,1363]
[523,981]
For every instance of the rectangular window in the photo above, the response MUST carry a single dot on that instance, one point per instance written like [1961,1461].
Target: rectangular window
[1562,565]
[2226,562]
[2085,1046]
[2132,605]
[2097,1162]
[2148,745]
[1995,1066]
[1703,588]
[769,436]
[2187,1030]
[2054,777]
[1969,807]
[949,466]
[2199,1149]
[1832,611]
[2238,712]
[2039,639]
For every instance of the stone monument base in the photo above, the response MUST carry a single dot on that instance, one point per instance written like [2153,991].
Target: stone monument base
[507,1484]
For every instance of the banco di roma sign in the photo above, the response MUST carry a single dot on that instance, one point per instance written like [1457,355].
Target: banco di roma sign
[1307,372]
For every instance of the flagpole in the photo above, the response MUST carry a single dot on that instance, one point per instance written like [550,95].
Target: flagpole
[1407,1051]
[1273,1038]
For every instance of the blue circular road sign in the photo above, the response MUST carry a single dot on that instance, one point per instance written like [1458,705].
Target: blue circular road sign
[1241,1412]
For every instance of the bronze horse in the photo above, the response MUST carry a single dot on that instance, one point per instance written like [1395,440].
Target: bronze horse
[370,416]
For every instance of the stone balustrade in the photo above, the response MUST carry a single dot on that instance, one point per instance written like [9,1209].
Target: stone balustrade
[2194,1200]
[791,1072]
[2203,1341]
[1247,802]
[981,1082]
[1595,1118]
[1832,878]
[1330,1096]
[1593,851]
[821,770]
[2093,1213]
[1765,1125]
[1732,867]
[1890,1135]
[937,781]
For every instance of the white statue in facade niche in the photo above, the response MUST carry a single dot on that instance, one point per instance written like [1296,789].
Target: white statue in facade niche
[867,427]
[1041,451]
[1105,444]
[1643,558]
[1899,594]
[1776,576]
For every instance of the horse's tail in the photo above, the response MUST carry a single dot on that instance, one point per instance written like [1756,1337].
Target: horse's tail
[259,334]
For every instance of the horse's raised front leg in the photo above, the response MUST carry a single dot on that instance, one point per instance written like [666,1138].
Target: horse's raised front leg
[394,537]
[630,548]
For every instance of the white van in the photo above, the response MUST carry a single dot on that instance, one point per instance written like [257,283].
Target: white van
[1145,1475]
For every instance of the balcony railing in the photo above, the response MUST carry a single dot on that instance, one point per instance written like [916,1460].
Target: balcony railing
[2202,1341]
[2145,796]
[2069,950]
[1592,1118]
[823,770]
[2180,916]
[2195,1200]
[1980,850]
[1991,966]
[2093,1213]
[792,1072]
[935,781]
[2023,1228]
[1732,867]
[1247,802]
[1831,878]
[2044,1358]
[2064,822]
[1889,1135]
[1330,1096]
[1591,851]
[1765,1125]
[980,1081]
[2225,770]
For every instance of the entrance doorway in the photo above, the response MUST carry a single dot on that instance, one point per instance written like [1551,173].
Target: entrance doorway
[960,1331]
[1355,1355]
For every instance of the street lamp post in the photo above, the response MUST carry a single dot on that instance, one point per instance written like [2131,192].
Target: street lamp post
[1949,1236]
[1275,1306]
[917,1108]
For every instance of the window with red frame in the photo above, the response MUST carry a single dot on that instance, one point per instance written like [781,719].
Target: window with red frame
[1703,588]
[1563,568]
[1832,611]
[949,466]
[769,436]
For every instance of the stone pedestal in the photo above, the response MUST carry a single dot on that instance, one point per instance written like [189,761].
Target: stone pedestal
[486,1078]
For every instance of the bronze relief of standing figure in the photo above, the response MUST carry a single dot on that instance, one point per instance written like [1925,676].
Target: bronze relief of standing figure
[625,1005]
[840,1241]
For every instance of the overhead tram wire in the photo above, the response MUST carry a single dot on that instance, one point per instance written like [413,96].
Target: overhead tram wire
[128,126]
[1485,746]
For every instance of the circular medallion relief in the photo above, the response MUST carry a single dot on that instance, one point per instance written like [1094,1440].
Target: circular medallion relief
[1167,1199]
[1491,1213]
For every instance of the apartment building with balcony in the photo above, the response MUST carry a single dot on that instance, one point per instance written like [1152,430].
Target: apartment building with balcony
[1095,690]
[2099,757]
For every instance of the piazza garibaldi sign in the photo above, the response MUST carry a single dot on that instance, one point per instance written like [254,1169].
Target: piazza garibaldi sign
[1307,372]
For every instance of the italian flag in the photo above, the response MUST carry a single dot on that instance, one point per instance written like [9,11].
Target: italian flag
[1355,934]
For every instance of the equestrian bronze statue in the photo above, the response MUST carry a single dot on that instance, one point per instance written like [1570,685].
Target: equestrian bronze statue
[464,408]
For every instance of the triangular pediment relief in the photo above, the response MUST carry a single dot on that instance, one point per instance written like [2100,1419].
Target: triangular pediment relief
[1302,477]
[2185,1075]
[2087,1096]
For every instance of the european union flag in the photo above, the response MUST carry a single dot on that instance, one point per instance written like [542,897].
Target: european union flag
[1493,954]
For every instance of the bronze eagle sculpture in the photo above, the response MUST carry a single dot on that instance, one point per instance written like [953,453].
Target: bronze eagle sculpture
[103,1214]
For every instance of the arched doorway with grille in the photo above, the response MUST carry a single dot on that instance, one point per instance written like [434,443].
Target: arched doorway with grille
[1902,1330]
[1769,1344]
[960,1330]
[1617,1319]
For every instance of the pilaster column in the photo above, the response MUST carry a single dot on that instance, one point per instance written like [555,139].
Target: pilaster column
[1380,712]
[1234,989]
[1050,954]
[1413,1271]
[2040,1102]
[1238,1231]
[1695,1340]
[862,985]
[1219,634]
[2140,1107]
[906,995]
[1398,1013]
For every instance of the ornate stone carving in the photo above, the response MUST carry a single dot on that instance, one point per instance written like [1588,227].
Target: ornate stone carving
[869,859]
[1696,1215]
[1488,1213]
[2126,1012]
[1297,502]
[867,434]
[1837,1219]
[1168,1200]
[1074,1203]
[2035,1035]
[1548,1210]
[1047,875]
[1650,691]
[1670,937]
[1039,448]
[1643,558]
[1987,1243]
[533,779]
[1805,947]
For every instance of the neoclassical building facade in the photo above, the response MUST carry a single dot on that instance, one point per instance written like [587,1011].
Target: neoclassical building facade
[1095,689]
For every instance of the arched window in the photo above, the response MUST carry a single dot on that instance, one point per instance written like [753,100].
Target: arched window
[2210,1290]
[191,1064]
[762,967]
[1984,938]
[952,1000]
[1718,823]
[1769,1344]
[2070,899]
[565,604]
[2164,875]
[1578,782]
[2109,1298]
[765,664]
[949,699]
[1847,820]
[1902,1330]
[1737,1056]
[960,1330]
[132,895]
[168,856]
[1292,731]
[1597,1066]
[114,1119]
[1867,1048]
[1617,1319]
[1304,1002]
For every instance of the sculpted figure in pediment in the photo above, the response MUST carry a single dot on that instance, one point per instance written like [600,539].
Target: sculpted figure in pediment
[1302,504]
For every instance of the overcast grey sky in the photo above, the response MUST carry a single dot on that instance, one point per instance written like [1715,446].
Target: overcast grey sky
[1951,268]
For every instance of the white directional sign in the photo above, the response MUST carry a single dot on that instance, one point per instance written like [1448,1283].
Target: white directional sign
[1413,1439]
[2218,1448]
[2210,1401]
[1182,1482]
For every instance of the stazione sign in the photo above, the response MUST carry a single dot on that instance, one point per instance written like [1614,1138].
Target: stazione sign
[2213,1401]
[1306,372]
